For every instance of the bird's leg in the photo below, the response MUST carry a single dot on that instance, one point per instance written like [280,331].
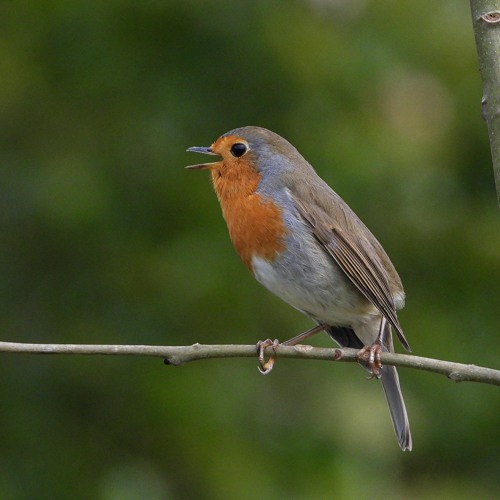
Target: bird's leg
[266,366]
[305,335]
[369,356]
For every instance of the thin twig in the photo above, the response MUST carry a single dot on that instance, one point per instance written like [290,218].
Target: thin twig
[179,355]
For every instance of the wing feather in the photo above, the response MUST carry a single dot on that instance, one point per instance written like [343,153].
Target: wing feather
[365,272]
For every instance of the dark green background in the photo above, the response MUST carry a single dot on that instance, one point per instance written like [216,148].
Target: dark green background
[105,238]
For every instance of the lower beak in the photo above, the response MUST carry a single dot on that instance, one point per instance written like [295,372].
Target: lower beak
[204,150]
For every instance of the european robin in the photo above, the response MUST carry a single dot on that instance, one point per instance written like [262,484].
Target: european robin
[303,243]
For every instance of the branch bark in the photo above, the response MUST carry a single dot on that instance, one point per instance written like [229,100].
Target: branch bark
[179,355]
[486,24]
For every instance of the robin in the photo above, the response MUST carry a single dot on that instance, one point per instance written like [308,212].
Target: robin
[303,243]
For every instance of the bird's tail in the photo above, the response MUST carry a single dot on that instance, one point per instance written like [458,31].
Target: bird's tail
[397,408]
[346,337]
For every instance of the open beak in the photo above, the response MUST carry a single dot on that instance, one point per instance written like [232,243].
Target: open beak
[201,149]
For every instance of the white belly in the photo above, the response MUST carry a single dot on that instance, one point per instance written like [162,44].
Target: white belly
[318,288]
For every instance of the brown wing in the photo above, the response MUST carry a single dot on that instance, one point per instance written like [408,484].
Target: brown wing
[365,272]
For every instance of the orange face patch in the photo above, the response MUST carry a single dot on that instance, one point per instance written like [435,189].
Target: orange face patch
[255,224]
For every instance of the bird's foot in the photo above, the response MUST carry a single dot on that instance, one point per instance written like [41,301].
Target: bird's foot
[266,366]
[370,358]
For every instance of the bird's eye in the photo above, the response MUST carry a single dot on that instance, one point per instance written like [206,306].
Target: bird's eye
[238,149]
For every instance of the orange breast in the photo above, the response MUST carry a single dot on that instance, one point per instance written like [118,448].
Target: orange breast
[255,224]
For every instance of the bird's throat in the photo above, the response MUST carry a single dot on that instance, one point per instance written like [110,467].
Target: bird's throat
[255,223]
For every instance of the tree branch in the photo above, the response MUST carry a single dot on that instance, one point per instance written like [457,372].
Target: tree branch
[486,24]
[178,355]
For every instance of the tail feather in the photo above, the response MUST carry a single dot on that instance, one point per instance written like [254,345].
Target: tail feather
[397,408]
[346,337]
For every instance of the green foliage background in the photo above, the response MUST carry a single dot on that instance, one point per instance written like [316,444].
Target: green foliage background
[105,238]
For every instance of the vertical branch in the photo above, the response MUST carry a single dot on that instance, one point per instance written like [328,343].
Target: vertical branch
[486,24]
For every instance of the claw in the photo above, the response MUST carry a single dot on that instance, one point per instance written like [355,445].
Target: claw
[370,358]
[266,366]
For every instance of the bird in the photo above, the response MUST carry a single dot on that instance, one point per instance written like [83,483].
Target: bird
[303,243]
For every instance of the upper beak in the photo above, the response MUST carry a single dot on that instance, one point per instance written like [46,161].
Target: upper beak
[204,150]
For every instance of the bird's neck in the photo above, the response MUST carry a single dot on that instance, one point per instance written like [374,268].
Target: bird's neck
[255,223]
